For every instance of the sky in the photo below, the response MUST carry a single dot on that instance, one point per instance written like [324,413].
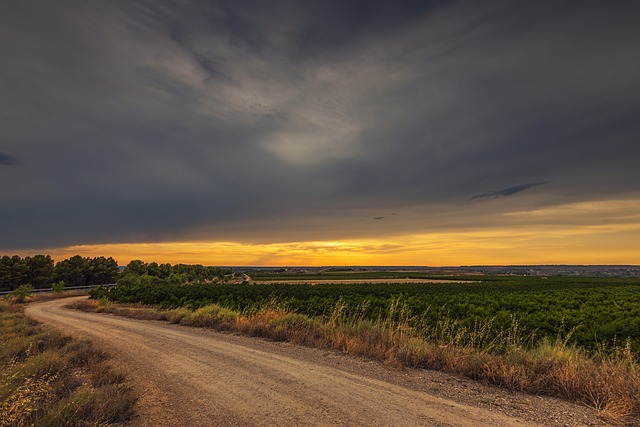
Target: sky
[328,132]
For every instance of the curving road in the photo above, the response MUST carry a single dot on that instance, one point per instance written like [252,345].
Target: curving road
[192,376]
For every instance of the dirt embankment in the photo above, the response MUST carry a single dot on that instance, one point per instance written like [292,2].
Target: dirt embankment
[193,376]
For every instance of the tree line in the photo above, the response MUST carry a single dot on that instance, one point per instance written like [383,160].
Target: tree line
[179,273]
[40,271]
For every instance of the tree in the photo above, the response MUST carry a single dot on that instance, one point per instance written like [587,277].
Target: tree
[136,267]
[73,271]
[13,272]
[102,271]
[6,284]
[40,270]
[164,271]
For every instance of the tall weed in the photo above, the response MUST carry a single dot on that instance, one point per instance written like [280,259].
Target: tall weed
[608,380]
[41,371]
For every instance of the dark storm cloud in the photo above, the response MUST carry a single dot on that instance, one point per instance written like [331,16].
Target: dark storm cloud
[336,25]
[264,121]
[508,191]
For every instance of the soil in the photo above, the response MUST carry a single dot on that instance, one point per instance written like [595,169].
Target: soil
[198,377]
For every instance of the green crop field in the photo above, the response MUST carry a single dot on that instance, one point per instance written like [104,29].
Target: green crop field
[591,312]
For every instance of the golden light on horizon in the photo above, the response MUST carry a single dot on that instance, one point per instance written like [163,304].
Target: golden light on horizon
[578,233]
[591,245]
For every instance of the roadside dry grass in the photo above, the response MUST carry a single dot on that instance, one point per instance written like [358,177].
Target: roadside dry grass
[48,296]
[608,380]
[48,379]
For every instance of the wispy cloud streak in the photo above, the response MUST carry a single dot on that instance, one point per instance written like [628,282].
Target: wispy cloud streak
[7,160]
[508,191]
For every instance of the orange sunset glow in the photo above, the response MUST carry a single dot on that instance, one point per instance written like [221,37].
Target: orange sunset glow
[611,244]
[576,233]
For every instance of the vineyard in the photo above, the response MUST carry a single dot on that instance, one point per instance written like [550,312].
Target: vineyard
[594,313]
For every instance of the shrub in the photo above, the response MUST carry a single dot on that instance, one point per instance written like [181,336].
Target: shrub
[57,287]
[211,316]
[21,293]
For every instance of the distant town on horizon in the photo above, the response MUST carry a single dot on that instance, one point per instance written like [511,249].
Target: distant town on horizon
[528,270]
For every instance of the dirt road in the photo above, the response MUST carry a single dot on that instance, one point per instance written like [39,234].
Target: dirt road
[353,281]
[195,377]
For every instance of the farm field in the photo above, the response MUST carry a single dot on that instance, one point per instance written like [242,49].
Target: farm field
[571,337]
[593,313]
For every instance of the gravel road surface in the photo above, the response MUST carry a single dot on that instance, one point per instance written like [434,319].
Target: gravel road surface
[197,377]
